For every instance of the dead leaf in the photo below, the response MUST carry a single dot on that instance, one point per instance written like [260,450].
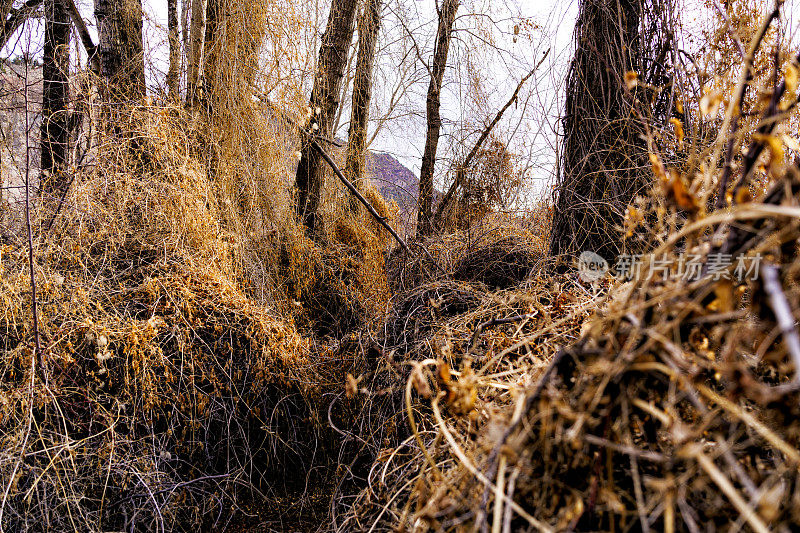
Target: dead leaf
[678,128]
[775,147]
[709,103]
[681,195]
[631,80]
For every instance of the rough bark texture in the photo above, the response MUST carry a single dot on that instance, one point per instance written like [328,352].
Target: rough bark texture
[603,154]
[447,17]
[325,97]
[55,96]
[368,25]
[197,38]
[174,50]
[120,46]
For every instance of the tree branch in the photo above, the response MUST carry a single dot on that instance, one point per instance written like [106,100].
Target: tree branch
[83,33]
[461,172]
[17,17]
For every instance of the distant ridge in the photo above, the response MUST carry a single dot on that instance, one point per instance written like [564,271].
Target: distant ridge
[393,180]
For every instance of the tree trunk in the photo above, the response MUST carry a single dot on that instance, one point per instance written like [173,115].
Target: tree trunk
[325,98]
[444,33]
[55,96]
[368,25]
[603,153]
[197,37]
[121,48]
[185,4]
[173,73]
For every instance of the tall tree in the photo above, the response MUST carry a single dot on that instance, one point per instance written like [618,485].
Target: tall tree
[368,25]
[324,102]
[55,95]
[604,159]
[447,16]
[121,47]
[197,38]
[174,49]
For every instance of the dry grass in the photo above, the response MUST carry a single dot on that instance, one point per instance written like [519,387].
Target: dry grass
[177,388]
[208,365]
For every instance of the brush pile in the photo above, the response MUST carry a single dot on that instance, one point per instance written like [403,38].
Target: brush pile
[171,391]
[676,408]
[664,395]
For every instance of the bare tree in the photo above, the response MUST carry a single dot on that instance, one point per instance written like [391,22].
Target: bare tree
[55,96]
[368,26]
[604,161]
[120,47]
[324,102]
[447,15]
[463,169]
[197,38]
[174,49]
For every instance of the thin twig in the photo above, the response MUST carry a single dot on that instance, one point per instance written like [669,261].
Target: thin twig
[783,314]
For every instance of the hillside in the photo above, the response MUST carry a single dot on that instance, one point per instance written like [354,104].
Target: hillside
[394,181]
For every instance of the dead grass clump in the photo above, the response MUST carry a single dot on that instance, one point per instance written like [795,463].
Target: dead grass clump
[346,287]
[498,253]
[415,313]
[664,402]
[174,393]
[459,343]
[502,264]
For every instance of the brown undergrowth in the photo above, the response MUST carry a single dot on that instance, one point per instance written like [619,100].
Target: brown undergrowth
[177,388]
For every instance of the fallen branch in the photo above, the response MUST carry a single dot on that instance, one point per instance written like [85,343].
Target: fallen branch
[352,188]
[83,33]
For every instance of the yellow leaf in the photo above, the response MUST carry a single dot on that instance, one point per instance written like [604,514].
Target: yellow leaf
[774,145]
[792,78]
[743,196]
[709,103]
[631,80]
[680,193]
[658,167]
[678,127]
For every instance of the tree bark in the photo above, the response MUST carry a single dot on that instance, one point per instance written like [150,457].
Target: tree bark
[173,74]
[121,47]
[197,38]
[603,156]
[55,96]
[368,26]
[444,33]
[325,99]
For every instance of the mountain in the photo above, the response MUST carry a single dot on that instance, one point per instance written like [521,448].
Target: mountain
[394,180]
